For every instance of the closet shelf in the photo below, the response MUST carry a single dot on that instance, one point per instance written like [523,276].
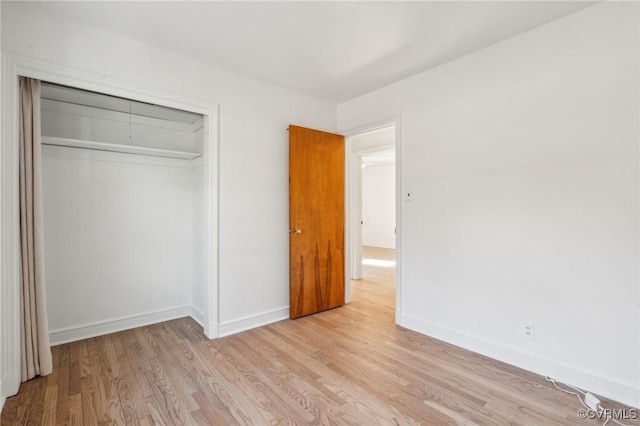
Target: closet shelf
[112,147]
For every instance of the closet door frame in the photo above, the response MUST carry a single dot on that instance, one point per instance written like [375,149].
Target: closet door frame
[13,67]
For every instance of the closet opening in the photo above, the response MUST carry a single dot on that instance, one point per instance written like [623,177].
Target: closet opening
[125,195]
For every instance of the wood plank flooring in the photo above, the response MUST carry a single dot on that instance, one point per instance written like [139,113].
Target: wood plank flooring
[348,366]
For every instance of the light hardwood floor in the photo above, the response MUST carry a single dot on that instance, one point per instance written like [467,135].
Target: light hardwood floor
[348,366]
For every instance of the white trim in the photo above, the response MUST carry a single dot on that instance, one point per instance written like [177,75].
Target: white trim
[608,387]
[399,218]
[353,216]
[252,321]
[10,309]
[211,205]
[15,66]
[215,327]
[46,71]
[349,207]
[373,127]
[100,328]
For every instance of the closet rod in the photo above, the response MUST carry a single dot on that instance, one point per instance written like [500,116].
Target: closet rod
[126,149]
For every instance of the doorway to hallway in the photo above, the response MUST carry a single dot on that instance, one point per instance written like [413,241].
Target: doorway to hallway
[372,206]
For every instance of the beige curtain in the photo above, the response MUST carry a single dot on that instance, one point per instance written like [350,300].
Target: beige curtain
[36,352]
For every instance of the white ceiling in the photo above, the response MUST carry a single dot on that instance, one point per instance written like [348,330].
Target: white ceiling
[333,50]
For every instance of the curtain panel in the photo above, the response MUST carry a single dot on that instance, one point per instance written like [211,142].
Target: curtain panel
[35,348]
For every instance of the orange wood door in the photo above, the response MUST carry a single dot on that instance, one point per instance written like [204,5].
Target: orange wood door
[316,221]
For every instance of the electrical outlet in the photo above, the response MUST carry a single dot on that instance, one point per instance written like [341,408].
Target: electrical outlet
[530,330]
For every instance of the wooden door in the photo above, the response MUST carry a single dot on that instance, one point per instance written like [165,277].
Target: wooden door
[316,221]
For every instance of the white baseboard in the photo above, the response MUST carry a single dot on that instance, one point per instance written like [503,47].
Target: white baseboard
[210,329]
[616,390]
[213,331]
[198,316]
[3,397]
[71,334]
[241,324]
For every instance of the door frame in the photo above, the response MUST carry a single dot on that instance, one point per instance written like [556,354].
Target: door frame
[353,204]
[14,66]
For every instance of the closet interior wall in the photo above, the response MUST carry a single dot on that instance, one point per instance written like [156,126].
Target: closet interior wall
[124,244]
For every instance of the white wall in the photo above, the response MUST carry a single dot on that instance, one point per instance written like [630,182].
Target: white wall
[523,162]
[253,171]
[379,205]
[118,240]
